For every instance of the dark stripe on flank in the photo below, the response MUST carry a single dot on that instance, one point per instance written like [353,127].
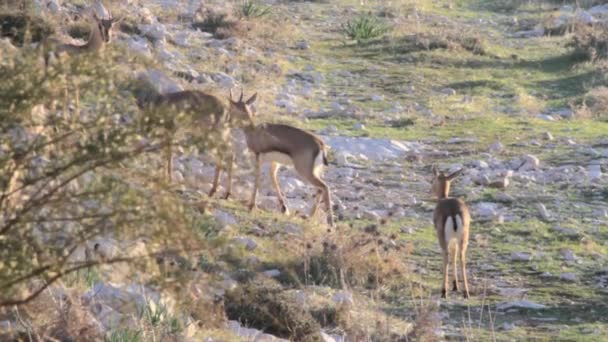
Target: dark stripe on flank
[454,222]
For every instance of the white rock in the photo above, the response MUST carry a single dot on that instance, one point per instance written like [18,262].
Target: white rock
[486,210]
[272,273]
[248,243]
[160,81]
[224,80]
[530,163]
[343,298]
[359,126]
[521,256]
[224,218]
[568,276]
[545,117]
[548,136]
[544,213]
[377,97]
[302,45]
[448,91]
[594,171]
[520,304]
[496,147]
[154,32]
[568,254]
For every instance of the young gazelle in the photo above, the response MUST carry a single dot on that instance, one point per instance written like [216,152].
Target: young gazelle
[101,34]
[452,221]
[285,145]
[204,113]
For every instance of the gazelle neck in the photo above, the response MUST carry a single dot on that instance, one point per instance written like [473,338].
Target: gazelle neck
[95,42]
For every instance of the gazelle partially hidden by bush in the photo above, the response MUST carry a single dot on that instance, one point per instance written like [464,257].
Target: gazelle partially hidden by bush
[452,221]
[286,145]
[101,34]
[205,116]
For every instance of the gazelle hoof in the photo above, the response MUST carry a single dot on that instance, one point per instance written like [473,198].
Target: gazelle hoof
[226,196]
[212,192]
[465,295]
[444,293]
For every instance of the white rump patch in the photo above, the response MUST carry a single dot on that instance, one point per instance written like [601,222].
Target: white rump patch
[318,166]
[452,235]
[277,157]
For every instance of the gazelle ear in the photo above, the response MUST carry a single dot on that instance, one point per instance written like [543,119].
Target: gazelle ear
[252,99]
[454,175]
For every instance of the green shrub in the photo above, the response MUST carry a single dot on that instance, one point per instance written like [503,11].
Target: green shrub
[364,27]
[124,336]
[590,42]
[21,28]
[212,22]
[252,9]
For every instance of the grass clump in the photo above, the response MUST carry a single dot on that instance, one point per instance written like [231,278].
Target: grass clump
[251,9]
[213,22]
[595,104]
[364,27]
[590,42]
[263,305]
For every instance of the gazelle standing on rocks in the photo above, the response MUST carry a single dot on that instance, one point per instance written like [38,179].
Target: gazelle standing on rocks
[101,34]
[452,221]
[285,145]
[206,114]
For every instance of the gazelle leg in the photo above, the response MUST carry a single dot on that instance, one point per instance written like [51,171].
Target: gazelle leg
[252,204]
[169,156]
[315,206]
[444,290]
[274,169]
[463,262]
[455,269]
[216,179]
[230,169]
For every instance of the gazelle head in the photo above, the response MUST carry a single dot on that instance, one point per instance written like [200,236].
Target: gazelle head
[242,112]
[441,182]
[104,26]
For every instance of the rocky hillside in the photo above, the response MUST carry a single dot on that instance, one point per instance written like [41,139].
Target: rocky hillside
[515,93]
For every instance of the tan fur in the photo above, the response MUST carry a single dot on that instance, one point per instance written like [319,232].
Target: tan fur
[101,34]
[206,115]
[305,151]
[451,210]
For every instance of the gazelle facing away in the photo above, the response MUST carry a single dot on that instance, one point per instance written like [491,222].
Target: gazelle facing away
[206,115]
[101,34]
[285,145]
[452,221]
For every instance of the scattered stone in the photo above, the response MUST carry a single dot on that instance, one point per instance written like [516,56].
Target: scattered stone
[521,256]
[343,298]
[543,212]
[547,136]
[359,126]
[568,254]
[520,304]
[568,276]
[507,326]
[496,147]
[530,163]
[272,273]
[302,45]
[248,243]
[448,91]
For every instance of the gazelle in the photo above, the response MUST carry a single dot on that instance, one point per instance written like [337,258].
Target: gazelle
[205,113]
[284,145]
[452,221]
[101,34]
